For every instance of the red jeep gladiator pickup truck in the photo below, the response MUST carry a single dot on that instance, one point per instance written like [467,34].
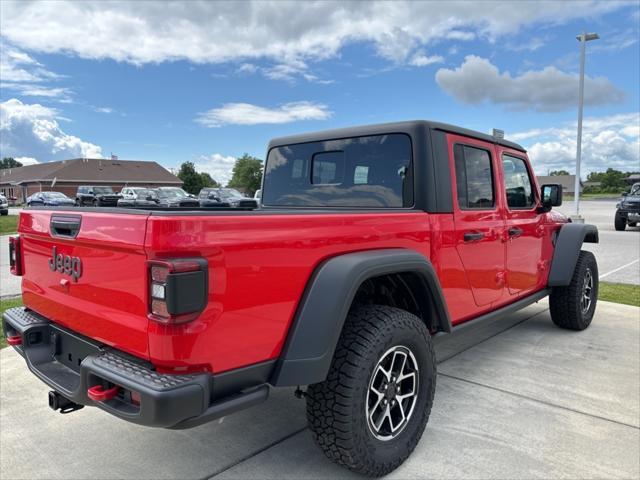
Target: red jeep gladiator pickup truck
[368,242]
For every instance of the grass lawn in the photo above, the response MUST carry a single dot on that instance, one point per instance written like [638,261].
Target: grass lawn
[8,224]
[4,305]
[620,293]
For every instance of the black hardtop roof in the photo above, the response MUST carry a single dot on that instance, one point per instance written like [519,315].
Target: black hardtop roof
[382,128]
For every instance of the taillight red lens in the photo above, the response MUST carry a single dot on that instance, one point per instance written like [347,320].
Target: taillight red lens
[15,256]
[177,289]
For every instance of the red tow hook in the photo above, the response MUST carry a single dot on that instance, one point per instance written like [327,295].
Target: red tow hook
[98,394]
[14,340]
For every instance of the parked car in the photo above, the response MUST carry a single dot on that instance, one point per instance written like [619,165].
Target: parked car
[628,209]
[53,199]
[175,197]
[176,191]
[132,192]
[143,198]
[231,196]
[96,196]
[208,197]
[398,232]
[4,205]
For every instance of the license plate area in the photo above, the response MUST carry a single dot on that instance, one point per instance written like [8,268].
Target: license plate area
[70,349]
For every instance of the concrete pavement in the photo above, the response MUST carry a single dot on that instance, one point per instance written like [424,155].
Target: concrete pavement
[516,398]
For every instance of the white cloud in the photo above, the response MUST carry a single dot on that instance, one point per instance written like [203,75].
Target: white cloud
[422,60]
[219,166]
[203,32]
[248,114]
[478,80]
[22,74]
[610,141]
[32,130]
[26,161]
[106,110]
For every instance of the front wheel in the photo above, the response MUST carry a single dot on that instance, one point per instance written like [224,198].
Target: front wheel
[619,222]
[370,412]
[572,307]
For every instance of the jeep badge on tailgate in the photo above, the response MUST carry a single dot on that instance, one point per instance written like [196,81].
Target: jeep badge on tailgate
[66,264]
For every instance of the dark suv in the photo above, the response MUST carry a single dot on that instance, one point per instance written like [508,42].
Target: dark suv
[628,209]
[97,196]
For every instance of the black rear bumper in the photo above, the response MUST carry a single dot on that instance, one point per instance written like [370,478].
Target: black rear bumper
[71,364]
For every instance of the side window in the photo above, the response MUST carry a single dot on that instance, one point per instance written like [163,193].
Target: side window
[474,177]
[517,183]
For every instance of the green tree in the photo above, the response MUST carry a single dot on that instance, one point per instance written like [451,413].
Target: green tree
[558,172]
[9,162]
[247,174]
[611,180]
[207,180]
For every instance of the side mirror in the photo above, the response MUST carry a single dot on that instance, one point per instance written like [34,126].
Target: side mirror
[90,192]
[624,194]
[551,196]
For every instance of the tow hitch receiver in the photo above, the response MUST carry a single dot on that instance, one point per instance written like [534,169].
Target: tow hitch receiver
[97,393]
[59,402]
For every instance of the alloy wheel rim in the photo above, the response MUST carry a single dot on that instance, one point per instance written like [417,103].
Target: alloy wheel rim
[587,292]
[392,393]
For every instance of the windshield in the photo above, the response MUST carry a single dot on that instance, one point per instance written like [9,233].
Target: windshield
[635,190]
[102,190]
[230,193]
[175,192]
[55,195]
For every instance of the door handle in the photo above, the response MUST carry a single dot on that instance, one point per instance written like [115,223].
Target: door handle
[473,236]
[515,232]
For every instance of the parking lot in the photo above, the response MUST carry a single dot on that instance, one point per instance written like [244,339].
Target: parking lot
[518,398]
[618,253]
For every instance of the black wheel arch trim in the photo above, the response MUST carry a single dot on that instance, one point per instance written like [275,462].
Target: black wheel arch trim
[567,249]
[317,325]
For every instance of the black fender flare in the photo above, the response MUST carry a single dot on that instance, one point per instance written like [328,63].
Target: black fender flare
[317,325]
[567,248]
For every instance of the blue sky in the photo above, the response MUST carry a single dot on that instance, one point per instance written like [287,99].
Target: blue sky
[209,81]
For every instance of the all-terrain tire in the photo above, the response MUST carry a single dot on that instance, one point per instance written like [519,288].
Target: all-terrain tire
[568,304]
[338,411]
[620,223]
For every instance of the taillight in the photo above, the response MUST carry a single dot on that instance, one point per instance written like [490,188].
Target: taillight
[177,289]
[15,256]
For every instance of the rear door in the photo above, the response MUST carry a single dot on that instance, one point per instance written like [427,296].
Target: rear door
[478,216]
[87,272]
[524,224]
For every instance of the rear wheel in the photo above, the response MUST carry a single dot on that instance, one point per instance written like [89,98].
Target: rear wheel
[619,222]
[370,412]
[572,307]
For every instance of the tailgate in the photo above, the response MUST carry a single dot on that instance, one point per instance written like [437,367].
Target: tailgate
[96,283]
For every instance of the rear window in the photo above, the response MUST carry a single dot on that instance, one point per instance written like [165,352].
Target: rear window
[372,171]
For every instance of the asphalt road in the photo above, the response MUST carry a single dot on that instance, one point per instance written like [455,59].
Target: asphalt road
[518,398]
[618,253]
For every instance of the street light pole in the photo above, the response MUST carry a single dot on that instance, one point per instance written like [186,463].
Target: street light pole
[583,39]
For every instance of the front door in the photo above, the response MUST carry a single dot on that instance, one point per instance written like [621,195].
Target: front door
[524,228]
[478,216]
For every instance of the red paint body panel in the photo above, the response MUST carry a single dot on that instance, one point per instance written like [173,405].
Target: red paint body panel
[108,303]
[259,264]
